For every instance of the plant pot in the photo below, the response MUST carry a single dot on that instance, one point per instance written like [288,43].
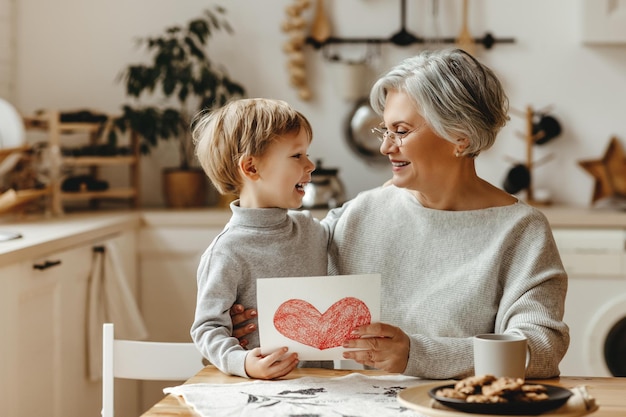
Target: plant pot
[184,188]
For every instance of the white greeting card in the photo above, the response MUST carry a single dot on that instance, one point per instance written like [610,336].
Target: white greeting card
[314,315]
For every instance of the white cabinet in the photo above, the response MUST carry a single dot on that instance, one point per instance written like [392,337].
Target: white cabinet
[592,252]
[168,261]
[595,261]
[35,327]
[44,305]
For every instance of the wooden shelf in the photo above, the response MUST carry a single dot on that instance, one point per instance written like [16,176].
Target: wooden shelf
[11,200]
[43,122]
[111,193]
[99,160]
[8,151]
[50,121]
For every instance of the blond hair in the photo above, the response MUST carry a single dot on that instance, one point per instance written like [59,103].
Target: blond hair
[241,128]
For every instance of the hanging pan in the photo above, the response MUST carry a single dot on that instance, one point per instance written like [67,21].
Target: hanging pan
[359,134]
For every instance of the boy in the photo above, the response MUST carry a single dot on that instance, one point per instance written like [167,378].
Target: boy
[257,150]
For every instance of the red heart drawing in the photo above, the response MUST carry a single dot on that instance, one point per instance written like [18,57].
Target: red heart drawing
[300,321]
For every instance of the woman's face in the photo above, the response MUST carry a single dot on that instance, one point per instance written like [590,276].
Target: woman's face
[423,158]
[283,171]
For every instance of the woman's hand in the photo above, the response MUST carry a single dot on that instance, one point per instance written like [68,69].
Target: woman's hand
[241,328]
[383,347]
[274,365]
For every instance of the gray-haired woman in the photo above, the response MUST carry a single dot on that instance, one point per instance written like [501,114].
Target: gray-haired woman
[458,256]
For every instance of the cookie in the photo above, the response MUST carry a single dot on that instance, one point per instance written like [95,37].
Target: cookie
[502,386]
[485,399]
[473,384]
[450,393]
[488,389]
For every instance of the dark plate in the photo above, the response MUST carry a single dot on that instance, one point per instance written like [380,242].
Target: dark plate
[557,396]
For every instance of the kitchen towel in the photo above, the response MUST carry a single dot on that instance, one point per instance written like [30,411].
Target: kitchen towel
[353,395]
[110,300]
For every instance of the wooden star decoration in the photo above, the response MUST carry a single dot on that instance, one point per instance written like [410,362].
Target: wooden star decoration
[609,172]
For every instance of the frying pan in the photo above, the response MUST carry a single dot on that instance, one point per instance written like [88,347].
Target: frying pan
[362,141]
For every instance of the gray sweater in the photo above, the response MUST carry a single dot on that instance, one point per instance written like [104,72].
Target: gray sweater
[449,275]
[256,243]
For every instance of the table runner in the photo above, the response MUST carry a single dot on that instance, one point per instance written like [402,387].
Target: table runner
[353,395]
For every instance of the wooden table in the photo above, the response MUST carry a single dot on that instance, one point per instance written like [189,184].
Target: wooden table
[610,393]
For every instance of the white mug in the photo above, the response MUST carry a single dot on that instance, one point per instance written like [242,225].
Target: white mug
[500,355]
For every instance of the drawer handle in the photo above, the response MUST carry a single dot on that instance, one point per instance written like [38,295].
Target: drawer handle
[46,265]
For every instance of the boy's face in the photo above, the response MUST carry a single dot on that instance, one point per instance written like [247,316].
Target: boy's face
[283,171]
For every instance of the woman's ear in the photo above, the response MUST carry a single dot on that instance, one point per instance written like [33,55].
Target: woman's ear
[461,145]
[247,166]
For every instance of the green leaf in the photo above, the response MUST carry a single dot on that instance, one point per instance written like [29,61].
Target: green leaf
[233,88]
[179,66]
[200,29]
[194,49]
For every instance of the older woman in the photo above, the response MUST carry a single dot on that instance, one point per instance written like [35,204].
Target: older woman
[458,256]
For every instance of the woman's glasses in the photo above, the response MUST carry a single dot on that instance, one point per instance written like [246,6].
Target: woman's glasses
[382,133]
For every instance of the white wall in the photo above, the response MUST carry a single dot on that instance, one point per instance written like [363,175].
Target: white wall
[69,53]
[7,50]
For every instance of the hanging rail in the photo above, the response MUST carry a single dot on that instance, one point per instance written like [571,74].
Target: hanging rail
[405,38]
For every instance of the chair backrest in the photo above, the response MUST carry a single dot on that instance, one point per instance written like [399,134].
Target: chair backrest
[130,359]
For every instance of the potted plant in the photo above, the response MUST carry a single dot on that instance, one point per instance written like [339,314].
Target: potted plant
[167,92]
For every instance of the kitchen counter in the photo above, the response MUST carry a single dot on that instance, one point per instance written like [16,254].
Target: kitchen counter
[41,236]
[44,235]
[563,216]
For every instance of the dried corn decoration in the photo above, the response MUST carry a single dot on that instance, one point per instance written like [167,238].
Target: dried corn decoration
[295,26]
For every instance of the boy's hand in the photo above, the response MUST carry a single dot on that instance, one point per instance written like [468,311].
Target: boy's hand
[274,365]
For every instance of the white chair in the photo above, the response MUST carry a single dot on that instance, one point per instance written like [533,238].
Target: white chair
[140,360]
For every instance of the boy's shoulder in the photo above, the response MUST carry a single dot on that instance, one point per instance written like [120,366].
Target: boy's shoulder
[300,215]
[304,218]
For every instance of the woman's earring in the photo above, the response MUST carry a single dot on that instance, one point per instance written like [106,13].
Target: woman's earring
[457,154]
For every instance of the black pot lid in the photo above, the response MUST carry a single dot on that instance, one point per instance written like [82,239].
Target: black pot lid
[323,171]
[359,134]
